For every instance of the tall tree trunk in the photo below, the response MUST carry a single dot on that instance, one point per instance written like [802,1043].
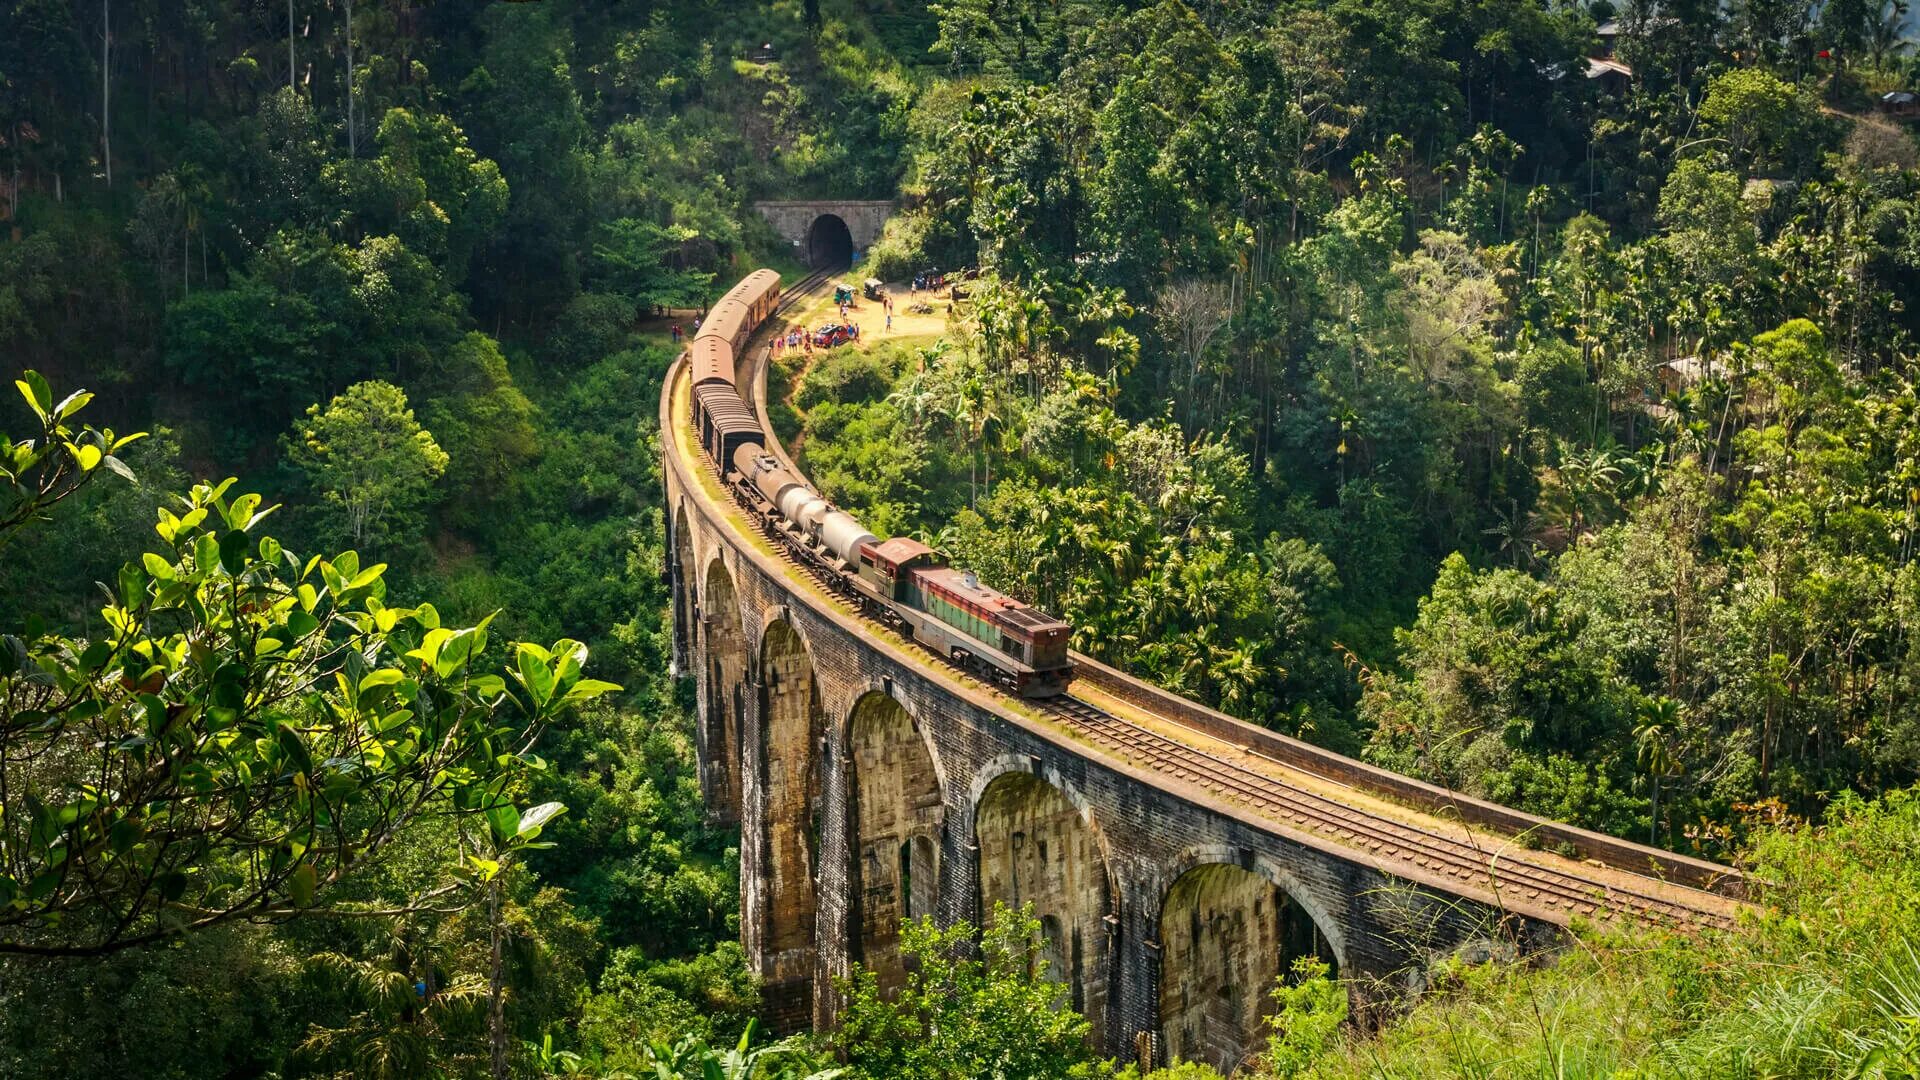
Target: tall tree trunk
[496,983]
[353,143]
[106,87]
[292,63]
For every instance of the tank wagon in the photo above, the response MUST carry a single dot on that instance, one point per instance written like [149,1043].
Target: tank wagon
[898,581]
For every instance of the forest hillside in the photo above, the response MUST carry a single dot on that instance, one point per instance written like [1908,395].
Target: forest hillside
[1518,394]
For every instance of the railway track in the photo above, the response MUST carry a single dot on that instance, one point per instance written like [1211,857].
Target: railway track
[804,288]
[1511,874]
[1507,873]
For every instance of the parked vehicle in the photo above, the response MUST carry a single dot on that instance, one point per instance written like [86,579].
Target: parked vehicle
[831,334]
[872,288]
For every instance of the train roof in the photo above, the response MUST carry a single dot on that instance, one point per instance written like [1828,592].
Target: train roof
[965,588]
[724,408]
[733,313]
[724,321]
[712,359]
[753,285]
[899,551]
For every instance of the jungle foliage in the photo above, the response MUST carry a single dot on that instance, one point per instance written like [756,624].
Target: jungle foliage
[1361,367]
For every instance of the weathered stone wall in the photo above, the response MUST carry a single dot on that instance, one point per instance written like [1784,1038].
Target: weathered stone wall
[1036,848]
[791,724]
[1227,934]
[897,820]
[723,652]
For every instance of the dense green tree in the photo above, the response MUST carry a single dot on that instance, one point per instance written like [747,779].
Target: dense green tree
[263,762]
[371,462]
[428,187]
[995,1014]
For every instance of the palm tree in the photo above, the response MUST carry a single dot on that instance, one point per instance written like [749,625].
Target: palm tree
[1886,34]
[1237,671]
[1590,480]
[974,410]
[1653,736]
[405,1013]
[1516,533]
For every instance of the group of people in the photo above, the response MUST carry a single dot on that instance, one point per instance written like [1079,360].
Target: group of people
[675,329]
[797,337]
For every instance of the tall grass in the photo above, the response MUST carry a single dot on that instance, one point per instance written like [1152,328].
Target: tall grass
[1824,982]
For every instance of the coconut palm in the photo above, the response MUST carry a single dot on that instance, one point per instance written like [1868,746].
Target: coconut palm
[1660,721]
[407,1014]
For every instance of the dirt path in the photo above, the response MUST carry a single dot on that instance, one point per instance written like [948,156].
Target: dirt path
[869,315]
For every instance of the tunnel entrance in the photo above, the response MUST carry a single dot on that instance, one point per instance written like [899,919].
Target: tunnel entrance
[829,243]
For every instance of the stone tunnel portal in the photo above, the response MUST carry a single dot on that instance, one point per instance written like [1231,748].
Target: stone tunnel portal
[1226,936]
[829,243]
[1036,848]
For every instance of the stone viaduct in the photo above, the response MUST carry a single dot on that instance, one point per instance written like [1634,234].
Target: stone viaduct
[872,784]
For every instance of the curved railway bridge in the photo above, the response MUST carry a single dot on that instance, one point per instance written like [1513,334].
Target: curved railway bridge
[1178,859]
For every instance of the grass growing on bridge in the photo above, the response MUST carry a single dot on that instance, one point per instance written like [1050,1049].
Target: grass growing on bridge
[1825,984]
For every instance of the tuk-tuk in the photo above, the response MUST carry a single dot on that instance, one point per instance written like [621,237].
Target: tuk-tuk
[873,288]
[842,293]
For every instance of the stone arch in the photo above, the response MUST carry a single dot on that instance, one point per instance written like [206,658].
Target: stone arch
[897,813]
[1229,927]
[685,568]
[792,727]
[829,242]
[723,649]
[1038,845]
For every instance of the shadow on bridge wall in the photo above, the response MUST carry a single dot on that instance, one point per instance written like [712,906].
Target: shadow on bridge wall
[723,647]
[897,817]
[1226,935]
[1038,847]
[792,722]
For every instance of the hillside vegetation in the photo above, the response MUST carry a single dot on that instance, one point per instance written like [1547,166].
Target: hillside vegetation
[1362,367]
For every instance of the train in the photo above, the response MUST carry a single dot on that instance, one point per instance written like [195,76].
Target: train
[898,581]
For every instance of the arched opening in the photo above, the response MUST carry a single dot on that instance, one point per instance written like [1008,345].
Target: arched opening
[920,868]
[829,243]
[725,652]
[897,811]
[685,579]
[792,725]
[1036,848]
[1226,935]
